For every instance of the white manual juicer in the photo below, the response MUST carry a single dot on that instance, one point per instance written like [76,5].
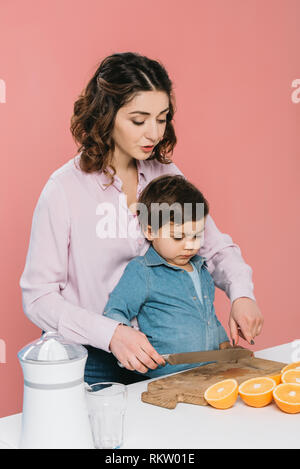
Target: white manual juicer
[55,413]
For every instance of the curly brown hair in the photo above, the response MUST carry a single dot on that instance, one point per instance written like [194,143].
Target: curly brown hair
[117,80]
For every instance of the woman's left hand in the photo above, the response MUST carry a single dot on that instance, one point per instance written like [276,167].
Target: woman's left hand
[246,320]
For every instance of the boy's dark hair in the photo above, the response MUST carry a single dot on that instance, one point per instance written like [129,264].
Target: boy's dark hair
[181,200]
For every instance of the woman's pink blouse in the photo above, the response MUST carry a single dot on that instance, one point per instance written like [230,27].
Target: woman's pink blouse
[82,237]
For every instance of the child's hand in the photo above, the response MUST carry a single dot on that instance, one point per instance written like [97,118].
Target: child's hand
[226,344]
[133,350]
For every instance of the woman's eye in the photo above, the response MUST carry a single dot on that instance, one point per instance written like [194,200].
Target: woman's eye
[138,123]
[141,123]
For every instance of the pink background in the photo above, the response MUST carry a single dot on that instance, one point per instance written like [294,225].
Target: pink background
[232,62]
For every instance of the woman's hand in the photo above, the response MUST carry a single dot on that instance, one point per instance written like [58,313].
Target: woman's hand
[133,350]
[245,320]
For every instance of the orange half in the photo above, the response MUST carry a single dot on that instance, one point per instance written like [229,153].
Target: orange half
[291,376]
[287,397]
[223,394]
[257,392]
[291,366]
[277,378]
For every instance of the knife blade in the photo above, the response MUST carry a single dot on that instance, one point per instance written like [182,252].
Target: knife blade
[229,354]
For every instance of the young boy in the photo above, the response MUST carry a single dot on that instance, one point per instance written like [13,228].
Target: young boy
[169,289]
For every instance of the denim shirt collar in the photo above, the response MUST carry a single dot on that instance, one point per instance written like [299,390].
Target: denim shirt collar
[152,258]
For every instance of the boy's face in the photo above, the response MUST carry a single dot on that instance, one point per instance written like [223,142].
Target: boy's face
[177,244]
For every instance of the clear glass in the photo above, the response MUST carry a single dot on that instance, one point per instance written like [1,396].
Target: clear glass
[107,406]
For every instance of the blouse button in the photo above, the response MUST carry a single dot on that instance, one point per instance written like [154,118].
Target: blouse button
[194,298]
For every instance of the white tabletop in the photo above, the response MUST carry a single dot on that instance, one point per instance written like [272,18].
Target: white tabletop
[191,426]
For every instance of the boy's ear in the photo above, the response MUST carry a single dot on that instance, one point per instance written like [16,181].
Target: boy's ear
[148,233]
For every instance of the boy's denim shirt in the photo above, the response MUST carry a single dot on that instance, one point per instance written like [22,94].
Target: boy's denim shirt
[168,309]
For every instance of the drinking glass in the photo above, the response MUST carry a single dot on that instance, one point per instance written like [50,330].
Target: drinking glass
[106,407]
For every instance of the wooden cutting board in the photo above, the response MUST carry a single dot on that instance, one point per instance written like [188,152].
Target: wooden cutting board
[189,386]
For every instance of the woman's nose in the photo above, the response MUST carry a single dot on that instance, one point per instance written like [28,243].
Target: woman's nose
[152,132]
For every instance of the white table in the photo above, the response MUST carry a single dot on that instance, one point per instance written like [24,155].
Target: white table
[191,426]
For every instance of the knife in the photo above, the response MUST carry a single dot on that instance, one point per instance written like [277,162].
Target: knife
[228,354]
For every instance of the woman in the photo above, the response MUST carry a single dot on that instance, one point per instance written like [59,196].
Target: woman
[123,124]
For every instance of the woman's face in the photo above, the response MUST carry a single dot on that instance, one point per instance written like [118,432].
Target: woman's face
[140,125]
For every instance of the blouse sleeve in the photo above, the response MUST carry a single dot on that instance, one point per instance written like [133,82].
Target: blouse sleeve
[224,259]
[46,272]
